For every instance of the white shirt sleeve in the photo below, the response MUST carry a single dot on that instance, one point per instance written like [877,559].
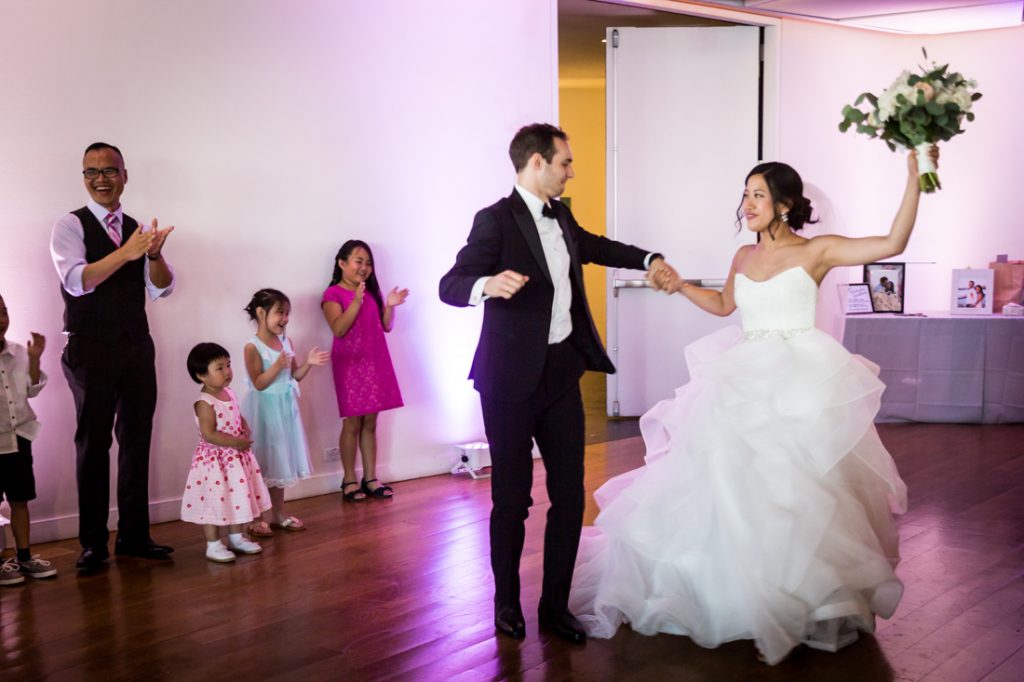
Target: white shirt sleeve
[67,249]
[154,291]
[477,295]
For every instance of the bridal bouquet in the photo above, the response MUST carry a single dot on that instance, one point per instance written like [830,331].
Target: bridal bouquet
[915,112]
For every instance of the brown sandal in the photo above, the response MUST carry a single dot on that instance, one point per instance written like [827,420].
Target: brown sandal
[259,529]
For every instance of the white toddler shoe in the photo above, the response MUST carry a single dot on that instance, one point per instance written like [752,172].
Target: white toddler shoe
[219,553]
[244,546]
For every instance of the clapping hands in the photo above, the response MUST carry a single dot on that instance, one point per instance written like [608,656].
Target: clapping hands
[284,360]
[317,357]
[36,347]
[396,297]
[147,240]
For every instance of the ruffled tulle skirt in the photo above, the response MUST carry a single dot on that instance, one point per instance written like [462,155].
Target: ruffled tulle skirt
[763,511]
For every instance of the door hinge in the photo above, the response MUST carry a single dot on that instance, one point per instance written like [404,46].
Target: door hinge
[615,37]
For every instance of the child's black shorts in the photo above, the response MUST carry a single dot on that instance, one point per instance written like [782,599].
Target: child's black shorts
[17,483]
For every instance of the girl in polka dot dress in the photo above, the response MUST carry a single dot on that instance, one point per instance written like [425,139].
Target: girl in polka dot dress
[225,486]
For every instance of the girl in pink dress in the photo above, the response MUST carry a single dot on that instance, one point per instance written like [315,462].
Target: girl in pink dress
[364,378]
[225,486]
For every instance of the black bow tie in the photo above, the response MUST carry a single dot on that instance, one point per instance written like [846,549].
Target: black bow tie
[548,211]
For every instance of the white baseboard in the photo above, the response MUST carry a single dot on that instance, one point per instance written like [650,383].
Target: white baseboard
[322,483]
[169,509]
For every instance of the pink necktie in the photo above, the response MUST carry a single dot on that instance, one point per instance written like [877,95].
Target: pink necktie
[111,221]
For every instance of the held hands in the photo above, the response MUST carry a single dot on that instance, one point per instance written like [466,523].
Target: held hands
[663,276]
[396,297]
[317,357]
[505,285]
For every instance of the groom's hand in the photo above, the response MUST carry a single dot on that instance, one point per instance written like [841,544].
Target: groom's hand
[505,285]
[662,275]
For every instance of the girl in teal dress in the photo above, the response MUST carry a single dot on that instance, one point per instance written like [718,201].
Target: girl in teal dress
[272,408]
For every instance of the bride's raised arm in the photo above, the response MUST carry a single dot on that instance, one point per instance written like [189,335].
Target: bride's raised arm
[836,250]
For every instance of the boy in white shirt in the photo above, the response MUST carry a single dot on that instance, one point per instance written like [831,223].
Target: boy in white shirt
[20,379]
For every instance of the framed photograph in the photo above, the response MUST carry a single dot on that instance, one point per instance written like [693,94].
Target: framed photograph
[886,283]
[858,299]
[971,292]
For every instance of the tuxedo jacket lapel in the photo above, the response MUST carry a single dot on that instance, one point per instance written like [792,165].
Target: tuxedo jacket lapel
[524,220]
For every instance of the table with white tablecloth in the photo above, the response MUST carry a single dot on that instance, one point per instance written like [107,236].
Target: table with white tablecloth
[944,368]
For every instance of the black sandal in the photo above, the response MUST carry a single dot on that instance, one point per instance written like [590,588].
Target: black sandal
[379,492]
[351,495]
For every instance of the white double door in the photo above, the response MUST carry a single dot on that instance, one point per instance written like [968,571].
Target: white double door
[682,134]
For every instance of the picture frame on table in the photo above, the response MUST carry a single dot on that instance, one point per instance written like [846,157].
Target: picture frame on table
[857,300]
[887,286]
[972,291]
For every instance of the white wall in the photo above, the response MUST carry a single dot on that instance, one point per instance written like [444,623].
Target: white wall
[268,132]
[859,181]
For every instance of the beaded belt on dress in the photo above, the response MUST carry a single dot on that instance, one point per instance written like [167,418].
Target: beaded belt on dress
[758,334]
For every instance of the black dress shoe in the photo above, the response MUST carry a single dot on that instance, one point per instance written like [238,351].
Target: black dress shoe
[564,625]
[508,620]
[92,558]
[146,549]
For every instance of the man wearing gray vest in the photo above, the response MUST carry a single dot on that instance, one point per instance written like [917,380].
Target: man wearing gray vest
[107,263]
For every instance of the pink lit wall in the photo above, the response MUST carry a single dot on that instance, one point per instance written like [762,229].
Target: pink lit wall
[976,215]
[268,132]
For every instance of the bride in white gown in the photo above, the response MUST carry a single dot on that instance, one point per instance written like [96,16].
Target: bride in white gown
[763,509]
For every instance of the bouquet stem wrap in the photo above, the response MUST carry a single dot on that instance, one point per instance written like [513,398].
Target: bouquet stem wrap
[926,168]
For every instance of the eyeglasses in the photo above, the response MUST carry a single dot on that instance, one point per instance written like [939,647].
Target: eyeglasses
[108,172]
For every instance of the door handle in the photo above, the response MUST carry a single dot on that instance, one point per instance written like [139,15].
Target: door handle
[643,283]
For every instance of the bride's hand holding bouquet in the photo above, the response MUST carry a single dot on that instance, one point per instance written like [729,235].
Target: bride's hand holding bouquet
[916,112]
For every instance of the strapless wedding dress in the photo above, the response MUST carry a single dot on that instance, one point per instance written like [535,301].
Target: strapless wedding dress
[764,509]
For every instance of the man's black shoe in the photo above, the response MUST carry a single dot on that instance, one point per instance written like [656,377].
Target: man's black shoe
[508,620]
[146,549]
[564,625]
[92,558]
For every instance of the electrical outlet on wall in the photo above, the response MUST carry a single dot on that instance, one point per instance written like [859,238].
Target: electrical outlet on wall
[332,454]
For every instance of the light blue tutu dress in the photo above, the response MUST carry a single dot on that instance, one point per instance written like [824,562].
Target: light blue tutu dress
[279,440]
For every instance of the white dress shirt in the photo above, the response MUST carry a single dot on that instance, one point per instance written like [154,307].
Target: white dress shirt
[16,387]
[67,248]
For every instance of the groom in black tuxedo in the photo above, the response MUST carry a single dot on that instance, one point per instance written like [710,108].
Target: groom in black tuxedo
[523,260]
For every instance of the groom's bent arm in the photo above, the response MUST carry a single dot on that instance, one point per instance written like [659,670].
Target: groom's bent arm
[480,257]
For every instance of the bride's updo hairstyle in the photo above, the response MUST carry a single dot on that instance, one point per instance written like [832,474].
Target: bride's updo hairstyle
[787,189]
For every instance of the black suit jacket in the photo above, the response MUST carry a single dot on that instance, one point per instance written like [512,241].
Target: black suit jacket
[513,343]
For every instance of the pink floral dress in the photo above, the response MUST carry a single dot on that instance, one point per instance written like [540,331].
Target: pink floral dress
[224,486]
[364,378]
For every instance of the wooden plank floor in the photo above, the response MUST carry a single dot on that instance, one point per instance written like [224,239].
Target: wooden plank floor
[401,590]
